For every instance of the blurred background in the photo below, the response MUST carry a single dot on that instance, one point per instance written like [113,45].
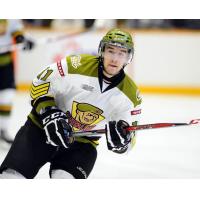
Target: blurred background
[166,68]
[166,56]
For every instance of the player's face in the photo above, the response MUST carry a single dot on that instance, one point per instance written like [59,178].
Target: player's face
[86,117]
[114,59]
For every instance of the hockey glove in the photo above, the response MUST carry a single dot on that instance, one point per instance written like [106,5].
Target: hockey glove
[117,136]
[28,44]
[58,131]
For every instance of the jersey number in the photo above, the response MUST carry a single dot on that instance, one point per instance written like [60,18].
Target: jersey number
[45,74]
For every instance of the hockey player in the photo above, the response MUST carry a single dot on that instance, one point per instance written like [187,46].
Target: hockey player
[81,92]
[10,32]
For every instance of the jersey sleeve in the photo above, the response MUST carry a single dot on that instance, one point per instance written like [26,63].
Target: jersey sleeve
[43,89]
[133,117]
[131,113]
[16,27]
[129,109]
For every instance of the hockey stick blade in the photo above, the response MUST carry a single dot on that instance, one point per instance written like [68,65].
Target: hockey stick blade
[137,128]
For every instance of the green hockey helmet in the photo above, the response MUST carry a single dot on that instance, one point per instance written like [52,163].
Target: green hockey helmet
[119,38]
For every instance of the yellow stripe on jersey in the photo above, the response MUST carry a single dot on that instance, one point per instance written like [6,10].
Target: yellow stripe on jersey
[36,87]
[37,91]
[34,92]
[5,108]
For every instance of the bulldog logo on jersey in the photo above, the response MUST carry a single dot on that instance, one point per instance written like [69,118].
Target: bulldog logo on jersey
[84,116]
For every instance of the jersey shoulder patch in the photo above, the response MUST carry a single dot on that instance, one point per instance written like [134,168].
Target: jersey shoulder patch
[83,64]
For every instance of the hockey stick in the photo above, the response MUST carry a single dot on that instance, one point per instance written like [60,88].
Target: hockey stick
[136,128]
[13,47]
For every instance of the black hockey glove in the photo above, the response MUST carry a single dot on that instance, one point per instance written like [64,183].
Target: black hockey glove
[58,131]
[28,44]
[117,136]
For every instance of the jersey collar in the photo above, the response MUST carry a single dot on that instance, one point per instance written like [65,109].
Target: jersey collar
[115,80]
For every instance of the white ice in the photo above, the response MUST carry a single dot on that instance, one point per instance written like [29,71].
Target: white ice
[158,153]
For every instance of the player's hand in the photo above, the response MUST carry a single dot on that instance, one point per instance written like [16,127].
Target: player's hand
[117,136]
[58,131]
[28,44]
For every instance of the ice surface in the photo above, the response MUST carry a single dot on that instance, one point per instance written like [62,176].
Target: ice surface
[159,153]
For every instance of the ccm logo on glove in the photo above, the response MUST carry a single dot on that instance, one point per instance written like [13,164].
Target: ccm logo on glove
[117,136]
[58,131]
[53,116]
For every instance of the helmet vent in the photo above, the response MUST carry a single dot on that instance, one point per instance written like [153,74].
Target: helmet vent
[119,34]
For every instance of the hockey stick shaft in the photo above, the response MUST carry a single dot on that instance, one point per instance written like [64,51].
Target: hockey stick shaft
[90,133]
[161,125]
[13,47]
[137,128]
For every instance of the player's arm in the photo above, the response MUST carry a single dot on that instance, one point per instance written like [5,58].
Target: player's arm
[118,139]
[19,36]
[48,83]
[51,118]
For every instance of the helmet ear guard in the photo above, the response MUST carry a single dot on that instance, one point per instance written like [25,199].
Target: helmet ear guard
[118,38]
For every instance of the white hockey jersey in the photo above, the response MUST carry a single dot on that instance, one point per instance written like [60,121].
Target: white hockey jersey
[76,86]
[8,28]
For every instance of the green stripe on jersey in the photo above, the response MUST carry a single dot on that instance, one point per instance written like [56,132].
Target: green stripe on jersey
[129,88]
[35,120]
[45,104]
[83,64]
[5,59]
